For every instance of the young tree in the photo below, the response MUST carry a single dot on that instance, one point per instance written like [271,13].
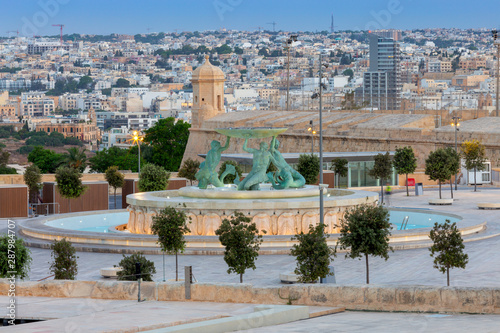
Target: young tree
[454,165]
[474,154]
[14,257]
[188,169]
[128,268]
[114,178]
[437,166]
[365,229]
[382,169]
[242,241]
[33,179]
[64,265]
[313,254]
[308,166]
[170,226]
[405,162]
[153,178]
[69,183]
[340,168]
[448,248]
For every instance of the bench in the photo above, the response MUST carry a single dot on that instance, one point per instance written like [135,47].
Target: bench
[110,272]
[488,205]
[441,202]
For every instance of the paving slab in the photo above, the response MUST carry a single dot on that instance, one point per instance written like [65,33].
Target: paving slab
[97,315]
[383,322]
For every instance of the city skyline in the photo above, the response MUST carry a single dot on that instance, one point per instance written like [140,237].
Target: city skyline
[127,17]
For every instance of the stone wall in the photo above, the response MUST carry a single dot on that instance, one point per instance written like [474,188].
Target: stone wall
[354,131]
[421,142]
[352,297]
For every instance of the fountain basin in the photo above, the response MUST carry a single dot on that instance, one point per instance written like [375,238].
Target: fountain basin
[282,214]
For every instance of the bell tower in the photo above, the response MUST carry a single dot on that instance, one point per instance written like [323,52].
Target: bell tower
[208,93]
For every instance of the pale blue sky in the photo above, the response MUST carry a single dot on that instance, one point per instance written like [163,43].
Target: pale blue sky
[133,16]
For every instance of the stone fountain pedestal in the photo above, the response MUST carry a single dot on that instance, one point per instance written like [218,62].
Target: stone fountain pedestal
[277,212]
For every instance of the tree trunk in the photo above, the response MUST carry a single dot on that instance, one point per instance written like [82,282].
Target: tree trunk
[475,181]
[367,270]
[241,278]
[115,197]
[448,276]
[439,181]
[176,268]
[382,191]
[407,191]
[451,188]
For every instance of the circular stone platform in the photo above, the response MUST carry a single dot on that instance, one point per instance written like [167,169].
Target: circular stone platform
[277,212]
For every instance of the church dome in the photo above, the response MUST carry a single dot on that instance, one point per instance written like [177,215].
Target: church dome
[207,71]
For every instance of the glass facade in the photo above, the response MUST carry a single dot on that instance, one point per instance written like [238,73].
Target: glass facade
[357,174]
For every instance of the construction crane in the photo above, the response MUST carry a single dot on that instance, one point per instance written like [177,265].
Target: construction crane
[273,24]
[60,26]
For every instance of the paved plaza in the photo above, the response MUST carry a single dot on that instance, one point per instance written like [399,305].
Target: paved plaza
[404,267]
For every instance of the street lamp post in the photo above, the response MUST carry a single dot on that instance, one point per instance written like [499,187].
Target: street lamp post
[289,42]
[319,95]
[137,138]
[455,124]
[321,217]
[494,32]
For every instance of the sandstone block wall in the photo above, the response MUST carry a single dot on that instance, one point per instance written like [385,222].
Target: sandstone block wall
[352,297]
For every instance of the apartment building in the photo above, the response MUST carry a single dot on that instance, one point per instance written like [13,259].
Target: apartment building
[36,104]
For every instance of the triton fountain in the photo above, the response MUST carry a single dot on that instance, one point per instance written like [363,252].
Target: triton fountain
[278,202]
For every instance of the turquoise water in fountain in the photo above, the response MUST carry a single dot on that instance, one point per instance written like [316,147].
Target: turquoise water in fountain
[94,222]
[423,219]
[106,222]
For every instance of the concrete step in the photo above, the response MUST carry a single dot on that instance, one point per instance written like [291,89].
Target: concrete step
[318,311]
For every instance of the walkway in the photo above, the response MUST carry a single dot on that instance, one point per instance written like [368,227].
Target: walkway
[406,267]
[403,267]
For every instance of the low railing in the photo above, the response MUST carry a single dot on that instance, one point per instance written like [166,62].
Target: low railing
[44,209]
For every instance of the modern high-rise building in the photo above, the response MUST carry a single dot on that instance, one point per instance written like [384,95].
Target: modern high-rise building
[382,82]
